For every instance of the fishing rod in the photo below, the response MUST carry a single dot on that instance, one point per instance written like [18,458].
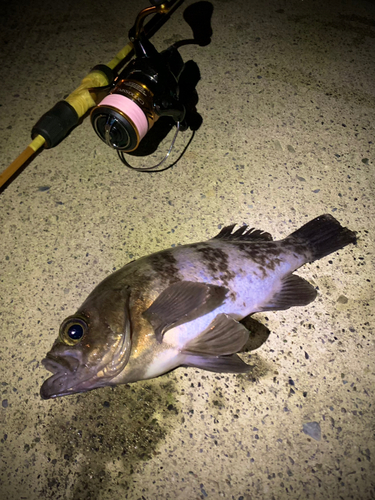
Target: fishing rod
[130,93]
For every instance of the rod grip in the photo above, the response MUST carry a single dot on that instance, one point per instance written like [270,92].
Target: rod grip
[56,123]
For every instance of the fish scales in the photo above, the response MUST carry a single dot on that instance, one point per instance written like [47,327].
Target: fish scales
[182,306]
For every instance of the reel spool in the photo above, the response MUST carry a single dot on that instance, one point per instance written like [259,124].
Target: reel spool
[144,91]
[124,117]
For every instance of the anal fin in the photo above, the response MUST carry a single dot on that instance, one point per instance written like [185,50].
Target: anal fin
[295,291]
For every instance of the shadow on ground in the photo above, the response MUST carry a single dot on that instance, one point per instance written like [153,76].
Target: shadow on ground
[108,432]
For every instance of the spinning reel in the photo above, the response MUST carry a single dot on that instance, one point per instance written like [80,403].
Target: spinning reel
[147,88]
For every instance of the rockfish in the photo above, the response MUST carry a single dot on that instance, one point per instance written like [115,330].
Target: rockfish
[182,307]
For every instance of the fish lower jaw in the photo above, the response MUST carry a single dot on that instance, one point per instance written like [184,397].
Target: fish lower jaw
[65,383]
[56,386]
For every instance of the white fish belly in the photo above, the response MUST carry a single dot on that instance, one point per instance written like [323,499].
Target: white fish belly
[165,361]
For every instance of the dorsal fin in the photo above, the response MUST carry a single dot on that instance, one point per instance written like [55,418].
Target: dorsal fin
[243,233]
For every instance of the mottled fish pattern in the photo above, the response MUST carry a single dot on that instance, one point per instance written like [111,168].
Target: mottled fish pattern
[182,306]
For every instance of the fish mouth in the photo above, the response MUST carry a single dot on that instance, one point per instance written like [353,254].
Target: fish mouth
[66,379]
[55,365]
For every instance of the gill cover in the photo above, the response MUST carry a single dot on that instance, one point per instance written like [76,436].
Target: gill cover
[121,352]
[109,310]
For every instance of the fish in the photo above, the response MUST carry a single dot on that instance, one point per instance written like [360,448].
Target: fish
[183,306]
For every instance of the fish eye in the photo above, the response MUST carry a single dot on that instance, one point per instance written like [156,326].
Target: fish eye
[75,332]
[72,330]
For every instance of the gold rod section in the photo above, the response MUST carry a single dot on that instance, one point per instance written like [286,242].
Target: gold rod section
[160,9]
[120,56]
[21,159]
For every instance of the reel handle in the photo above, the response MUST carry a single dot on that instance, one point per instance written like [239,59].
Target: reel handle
[160,9]
[198,16]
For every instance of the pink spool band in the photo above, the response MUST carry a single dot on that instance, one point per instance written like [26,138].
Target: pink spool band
[130,109]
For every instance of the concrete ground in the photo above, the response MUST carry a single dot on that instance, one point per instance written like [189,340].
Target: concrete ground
[287,96]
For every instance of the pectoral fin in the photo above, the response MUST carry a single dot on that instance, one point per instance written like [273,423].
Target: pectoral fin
[182,302]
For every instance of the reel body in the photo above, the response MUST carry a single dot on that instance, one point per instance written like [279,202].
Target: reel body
[146,89]
[153,85]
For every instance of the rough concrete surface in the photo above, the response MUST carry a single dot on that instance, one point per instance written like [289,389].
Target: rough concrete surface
[287,97]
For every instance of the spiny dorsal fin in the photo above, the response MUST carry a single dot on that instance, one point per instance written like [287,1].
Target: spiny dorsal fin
[243,233]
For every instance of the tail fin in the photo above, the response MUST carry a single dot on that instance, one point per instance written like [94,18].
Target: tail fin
[323,236]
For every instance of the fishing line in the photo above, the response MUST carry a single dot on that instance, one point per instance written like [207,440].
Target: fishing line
[151,170]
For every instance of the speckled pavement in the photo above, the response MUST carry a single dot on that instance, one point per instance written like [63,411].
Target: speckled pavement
[287,96]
